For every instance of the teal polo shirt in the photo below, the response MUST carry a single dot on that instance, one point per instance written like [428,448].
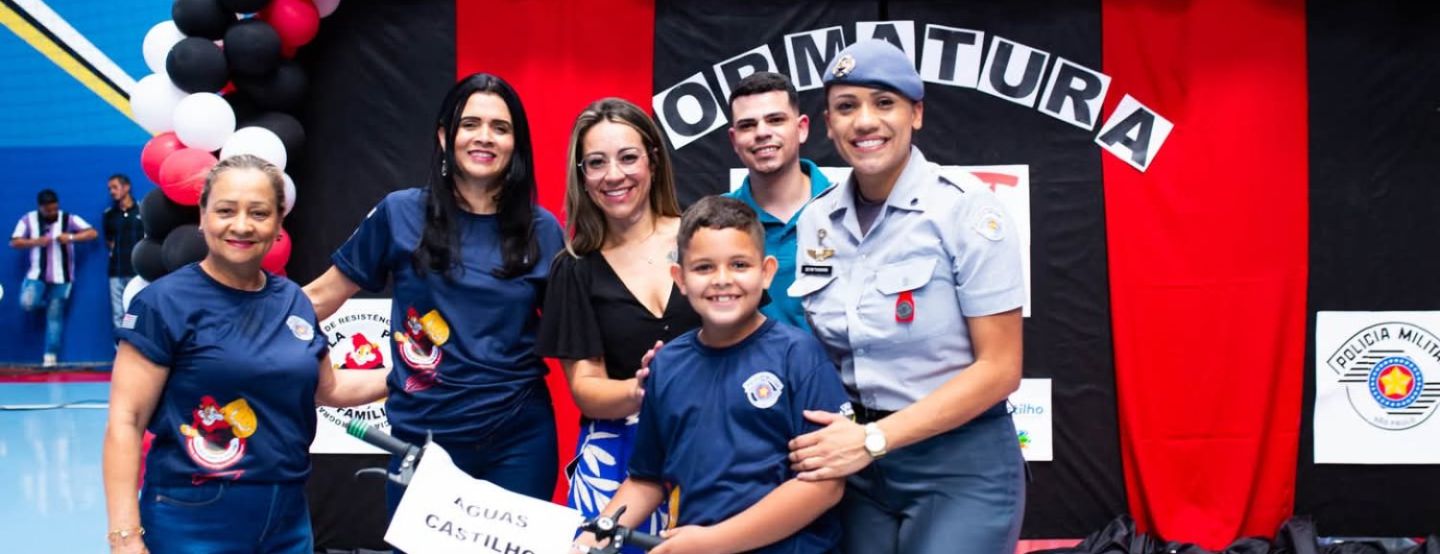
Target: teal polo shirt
[780,242]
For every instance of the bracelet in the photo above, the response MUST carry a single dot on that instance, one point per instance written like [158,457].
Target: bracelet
[117,537]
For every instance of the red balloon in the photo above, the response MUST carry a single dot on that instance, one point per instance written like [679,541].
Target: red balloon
[155,152]
[296,21]
[182,175]
[279,254]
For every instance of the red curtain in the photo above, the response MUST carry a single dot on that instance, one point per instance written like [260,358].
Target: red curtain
[559,55]
[1208,257]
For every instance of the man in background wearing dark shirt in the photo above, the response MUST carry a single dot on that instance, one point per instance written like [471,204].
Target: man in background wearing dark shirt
[122,227]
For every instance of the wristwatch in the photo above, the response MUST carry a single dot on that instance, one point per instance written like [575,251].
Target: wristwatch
[875,441]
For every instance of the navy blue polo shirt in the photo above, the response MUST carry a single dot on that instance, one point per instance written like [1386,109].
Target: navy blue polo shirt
[239,400]
[716,424]
[780,241]
[463,345]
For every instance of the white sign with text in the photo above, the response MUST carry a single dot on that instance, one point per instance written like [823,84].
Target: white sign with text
[1033,409]
[445,511]
[359,338]
[1377,387]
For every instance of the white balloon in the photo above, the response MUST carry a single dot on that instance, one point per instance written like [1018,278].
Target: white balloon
[131,289]
[289,194]
[153,101]
[258,141]
[326,7]
[204,120]
[158,42]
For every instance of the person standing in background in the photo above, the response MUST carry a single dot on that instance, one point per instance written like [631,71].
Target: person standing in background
[122,228]
[50,235]
[767,132]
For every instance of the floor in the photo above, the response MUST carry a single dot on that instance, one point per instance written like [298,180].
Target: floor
[51,495]
[50,489]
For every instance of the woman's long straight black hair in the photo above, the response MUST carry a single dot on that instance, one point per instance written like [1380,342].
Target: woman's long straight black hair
[439,249]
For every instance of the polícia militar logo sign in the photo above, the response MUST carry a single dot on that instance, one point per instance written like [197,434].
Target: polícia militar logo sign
[1396,382]
[1382,368]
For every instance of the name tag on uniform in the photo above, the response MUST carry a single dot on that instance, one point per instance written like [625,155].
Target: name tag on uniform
[822,270]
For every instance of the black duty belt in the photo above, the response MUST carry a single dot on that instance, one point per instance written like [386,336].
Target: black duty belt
[868,415]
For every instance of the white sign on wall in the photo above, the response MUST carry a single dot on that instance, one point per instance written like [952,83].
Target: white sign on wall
[1376,387]
[1034,412]
[359,337]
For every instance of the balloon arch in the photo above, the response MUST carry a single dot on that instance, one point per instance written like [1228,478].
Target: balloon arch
[225,83]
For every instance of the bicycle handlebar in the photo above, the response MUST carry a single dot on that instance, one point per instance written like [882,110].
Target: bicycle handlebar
[379,439]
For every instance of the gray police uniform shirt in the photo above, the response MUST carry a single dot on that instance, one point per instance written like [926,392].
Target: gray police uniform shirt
[890,306]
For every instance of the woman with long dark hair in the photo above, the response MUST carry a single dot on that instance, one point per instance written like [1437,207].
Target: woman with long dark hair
[468,257]
[611,295]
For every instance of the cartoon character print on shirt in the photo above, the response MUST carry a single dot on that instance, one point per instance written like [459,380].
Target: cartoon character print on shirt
[418,343]
[363,354]
[215,439]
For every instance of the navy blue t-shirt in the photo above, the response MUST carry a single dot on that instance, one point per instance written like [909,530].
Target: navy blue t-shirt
[239,401]
[716,424]
[464,345]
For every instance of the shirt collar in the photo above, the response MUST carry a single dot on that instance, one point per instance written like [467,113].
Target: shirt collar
[818,184]
[904,196]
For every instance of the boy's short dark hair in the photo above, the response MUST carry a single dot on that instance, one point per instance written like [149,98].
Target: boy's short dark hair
[46,196]
[719,212]
[123,178]
[762,82]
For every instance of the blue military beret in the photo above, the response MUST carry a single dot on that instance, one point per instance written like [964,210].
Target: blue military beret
[876,63]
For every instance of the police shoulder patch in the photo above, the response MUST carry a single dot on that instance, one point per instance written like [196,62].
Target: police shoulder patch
[763,389]
[990,224]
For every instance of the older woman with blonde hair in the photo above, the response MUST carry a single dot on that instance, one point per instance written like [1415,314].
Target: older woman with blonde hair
[611,297]
[224,363]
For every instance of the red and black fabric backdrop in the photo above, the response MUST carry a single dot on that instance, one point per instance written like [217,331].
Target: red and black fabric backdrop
[1173,307]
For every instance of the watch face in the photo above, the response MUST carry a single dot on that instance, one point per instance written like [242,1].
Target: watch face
[875,442]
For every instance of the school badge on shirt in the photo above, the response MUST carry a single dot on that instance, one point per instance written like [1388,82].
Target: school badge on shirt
[300,328]
[763,389]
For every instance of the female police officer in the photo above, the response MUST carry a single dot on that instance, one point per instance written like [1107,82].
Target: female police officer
[912,280]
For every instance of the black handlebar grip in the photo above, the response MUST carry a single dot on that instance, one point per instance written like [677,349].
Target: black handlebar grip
[645,541]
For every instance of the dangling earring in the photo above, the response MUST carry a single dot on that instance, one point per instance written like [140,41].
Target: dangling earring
[444,168]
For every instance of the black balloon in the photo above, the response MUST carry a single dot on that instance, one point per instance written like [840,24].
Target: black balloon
[252,47]
[183,245]
[159,215]
[147,260]
[196,65]
[281,90]
[244,6]
[201,18]
[244,108]
[284,126]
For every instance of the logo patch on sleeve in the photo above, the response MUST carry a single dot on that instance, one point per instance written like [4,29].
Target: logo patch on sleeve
[128,321]
[991,224]
[763,389]
[300,328]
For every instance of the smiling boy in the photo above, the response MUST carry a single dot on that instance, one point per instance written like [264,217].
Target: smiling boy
[722,402]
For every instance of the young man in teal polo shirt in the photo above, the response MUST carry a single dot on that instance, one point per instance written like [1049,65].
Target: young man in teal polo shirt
[766,132]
